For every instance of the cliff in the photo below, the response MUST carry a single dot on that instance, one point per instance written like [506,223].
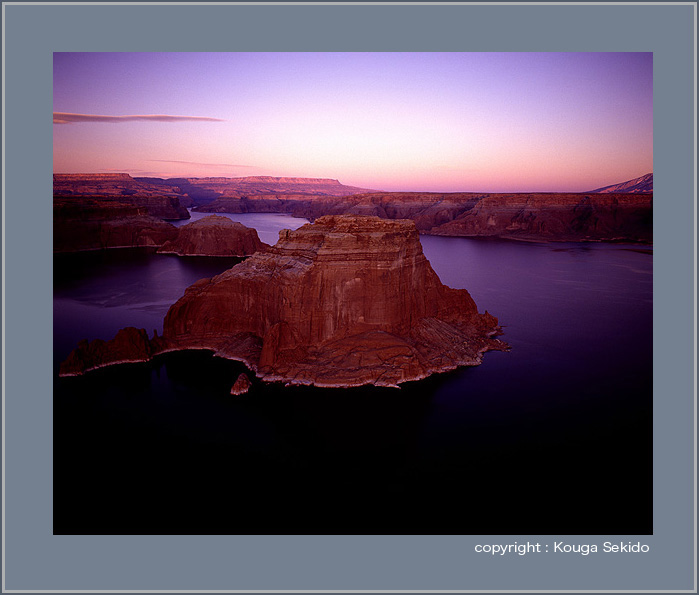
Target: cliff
[83,224]
[556,217]
[345,301]
[214,236]
[112,185]
[252,185]
[527,216]
[186,192]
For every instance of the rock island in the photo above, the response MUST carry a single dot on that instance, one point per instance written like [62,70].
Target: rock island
[345,301]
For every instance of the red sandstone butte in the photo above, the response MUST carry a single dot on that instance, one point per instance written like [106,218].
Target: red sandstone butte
[345,301]
[214,236]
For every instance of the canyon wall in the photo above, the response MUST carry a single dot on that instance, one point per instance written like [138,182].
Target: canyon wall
[526,216]
[86,224]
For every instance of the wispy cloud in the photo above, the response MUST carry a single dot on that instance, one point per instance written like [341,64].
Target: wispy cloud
[205,164]
[66,118]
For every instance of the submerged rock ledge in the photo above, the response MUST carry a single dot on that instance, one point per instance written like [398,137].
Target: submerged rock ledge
[345,301]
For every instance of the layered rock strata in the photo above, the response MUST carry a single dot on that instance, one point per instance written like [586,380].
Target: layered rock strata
[214,236]
[527,216]
[99,224]
[204,190]
[159,200]
[345,301]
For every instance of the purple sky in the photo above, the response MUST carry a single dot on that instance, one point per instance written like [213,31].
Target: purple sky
[449,122]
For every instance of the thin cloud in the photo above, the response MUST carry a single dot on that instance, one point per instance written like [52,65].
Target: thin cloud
[205,164]
[66,118]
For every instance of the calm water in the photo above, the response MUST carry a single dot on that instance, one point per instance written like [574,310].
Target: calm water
[551,437]
[268,225]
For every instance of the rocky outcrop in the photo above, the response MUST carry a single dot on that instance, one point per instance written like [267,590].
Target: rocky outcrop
[130,345]
[84,224]
[241,385]
[642,184]
[345,301]
[214,236]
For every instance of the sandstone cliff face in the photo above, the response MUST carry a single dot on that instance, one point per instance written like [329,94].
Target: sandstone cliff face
[214,236]
[159,200]
[531,216]
[345,301]
[82,224]
[112,185]
[557,217]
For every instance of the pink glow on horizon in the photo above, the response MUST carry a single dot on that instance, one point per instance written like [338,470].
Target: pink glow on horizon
[482,122]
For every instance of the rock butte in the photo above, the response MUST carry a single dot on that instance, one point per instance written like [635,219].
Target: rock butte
[346,301]
[214,236]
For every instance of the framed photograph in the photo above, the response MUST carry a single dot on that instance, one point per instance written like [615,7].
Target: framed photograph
[339,308]
[373,379]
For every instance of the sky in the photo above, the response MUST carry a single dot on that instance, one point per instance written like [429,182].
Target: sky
[439,122]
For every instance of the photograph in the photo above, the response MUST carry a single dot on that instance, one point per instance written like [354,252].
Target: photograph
[352,293]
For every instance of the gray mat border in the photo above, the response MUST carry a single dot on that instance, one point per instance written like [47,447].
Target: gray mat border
[39,562]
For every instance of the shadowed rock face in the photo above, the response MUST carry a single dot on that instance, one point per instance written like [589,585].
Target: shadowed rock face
[345,301]
[214,236]
[83,224]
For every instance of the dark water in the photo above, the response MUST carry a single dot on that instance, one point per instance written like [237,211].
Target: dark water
[552,437]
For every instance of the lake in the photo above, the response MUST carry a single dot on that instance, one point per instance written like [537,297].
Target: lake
[553,437]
